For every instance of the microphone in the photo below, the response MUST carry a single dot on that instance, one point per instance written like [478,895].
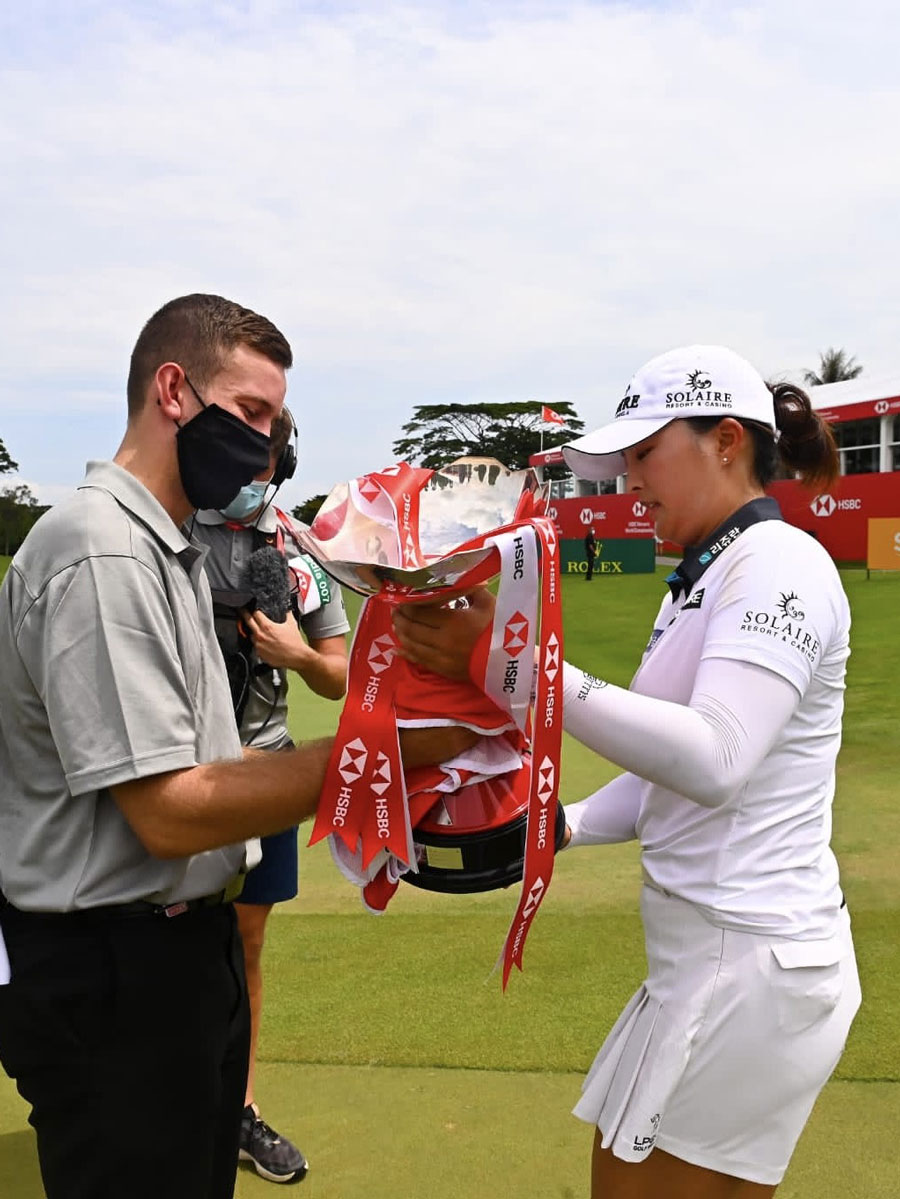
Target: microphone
[266,576]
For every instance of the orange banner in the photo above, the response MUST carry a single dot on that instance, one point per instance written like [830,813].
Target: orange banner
[883,552]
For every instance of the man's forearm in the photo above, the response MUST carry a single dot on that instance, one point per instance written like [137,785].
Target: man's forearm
[324,674]
[184,812]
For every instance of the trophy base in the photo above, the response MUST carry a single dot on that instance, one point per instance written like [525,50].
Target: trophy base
[465,863]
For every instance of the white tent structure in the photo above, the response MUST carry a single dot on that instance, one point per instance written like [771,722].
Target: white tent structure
[867,390]
[865,416]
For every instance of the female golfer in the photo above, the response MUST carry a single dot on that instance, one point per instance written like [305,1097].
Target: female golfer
[728,736]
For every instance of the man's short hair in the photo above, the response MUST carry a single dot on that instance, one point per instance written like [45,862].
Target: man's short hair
[199,332]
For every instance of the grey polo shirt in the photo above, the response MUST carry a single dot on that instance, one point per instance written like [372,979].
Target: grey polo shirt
[264,722]
[110,672]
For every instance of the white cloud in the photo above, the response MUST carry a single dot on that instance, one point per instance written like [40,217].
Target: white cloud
[44,493]
[484,201]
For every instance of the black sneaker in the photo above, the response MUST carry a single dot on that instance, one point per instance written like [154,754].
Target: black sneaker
[273,1156]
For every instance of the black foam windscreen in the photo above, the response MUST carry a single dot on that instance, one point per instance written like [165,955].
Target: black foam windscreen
[266,576]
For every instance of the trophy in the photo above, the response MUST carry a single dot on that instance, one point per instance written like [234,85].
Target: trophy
[489,817]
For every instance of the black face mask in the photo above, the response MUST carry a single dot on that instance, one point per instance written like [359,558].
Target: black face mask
[217,454]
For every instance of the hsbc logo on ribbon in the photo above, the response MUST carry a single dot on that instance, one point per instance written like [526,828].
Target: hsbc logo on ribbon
[381,653]
[515,638]
[515,635]
[380,784]
[545,788]
[551,658]
[546,780]
[353,760]
[532,903]
[535,895]
[369,489]
[551,568]
[381,775]
[391,471]
[380,656]
[551,670]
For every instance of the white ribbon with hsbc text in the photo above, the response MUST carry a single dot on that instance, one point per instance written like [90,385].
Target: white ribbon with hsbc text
[546,732]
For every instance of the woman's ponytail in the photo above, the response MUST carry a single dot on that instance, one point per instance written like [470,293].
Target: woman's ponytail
[806,445]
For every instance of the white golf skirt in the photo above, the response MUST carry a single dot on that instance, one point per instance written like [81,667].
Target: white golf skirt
[719,1056]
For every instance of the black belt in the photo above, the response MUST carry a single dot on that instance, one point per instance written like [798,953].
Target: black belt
[137,907]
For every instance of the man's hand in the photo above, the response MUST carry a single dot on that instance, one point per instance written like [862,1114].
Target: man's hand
[321,662]
[441,639]
[277,643]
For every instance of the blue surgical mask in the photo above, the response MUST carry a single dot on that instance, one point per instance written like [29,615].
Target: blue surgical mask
[245,503]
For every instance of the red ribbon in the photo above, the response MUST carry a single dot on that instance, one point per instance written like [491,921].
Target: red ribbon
[364,797]
[364,793]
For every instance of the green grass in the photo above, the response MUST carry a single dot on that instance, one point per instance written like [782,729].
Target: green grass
[388,1046]
[424,968]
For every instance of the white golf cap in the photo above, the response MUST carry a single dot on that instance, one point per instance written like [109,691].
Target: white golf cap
[689,381]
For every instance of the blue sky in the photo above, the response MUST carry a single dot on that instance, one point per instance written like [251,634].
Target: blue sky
[437,202]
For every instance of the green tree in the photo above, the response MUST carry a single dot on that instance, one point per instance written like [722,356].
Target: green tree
[306,511]
[835,366]
[7,466]
[511,433]
[18,512]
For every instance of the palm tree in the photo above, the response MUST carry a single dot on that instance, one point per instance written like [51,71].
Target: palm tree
[835,366]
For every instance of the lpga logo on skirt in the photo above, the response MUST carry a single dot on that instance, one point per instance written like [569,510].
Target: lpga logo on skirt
[645,1144]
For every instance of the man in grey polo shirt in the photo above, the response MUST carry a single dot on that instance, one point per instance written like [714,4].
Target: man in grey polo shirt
[260,650]
[126,810]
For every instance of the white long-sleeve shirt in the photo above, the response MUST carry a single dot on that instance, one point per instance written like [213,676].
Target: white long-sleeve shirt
[729,734]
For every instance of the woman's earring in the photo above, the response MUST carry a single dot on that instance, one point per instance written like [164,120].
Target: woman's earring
[725,461]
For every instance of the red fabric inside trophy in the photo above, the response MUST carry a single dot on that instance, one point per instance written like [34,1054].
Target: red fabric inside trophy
[490,816]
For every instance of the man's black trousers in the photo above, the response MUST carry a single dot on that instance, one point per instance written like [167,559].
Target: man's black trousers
[129,1037]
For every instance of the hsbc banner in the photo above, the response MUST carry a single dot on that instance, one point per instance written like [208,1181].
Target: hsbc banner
[610,516]
[863,410]
[839,518]
[364,806]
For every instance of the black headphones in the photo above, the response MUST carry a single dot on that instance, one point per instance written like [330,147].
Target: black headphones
[287,459]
